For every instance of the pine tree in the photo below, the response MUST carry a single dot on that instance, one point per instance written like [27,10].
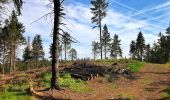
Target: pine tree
[105,40]
[115,47]
[133,50]
[67,43]
[164,51]
[155,53]
[37,49]
[99,12]
[27,51]
[73,54]
[95,49]
[15,36]
[4,46]
[58,14]
[140,46]
[168,42]
[147,53]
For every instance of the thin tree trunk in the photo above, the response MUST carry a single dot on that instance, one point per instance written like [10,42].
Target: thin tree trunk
[3,61]
[101,40]
[65,52]
[14,57]
[100,26]
[55,45]
[61,53]
[105,51]
[94,56]
[11,54]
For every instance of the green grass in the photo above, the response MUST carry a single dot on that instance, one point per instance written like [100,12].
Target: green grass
[15,91]
[135,66]
[17,95]
[65,80]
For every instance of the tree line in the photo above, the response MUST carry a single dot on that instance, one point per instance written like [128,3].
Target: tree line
[111,46]
[158,53]
[11,37]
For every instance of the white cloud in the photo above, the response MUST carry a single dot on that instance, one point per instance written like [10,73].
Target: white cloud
[79,22]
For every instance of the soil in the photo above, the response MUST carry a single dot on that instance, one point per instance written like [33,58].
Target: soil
[148,84]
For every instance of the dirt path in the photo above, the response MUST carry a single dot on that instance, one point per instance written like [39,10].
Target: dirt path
[147,85]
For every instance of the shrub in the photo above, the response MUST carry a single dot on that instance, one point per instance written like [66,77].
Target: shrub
[65,80]
[135,66]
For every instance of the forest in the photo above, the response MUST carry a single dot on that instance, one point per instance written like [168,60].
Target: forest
[60,70]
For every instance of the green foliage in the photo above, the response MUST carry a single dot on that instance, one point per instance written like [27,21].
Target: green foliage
[105,40]
[15,92]
[116,51]
[73,54]
[95,49]
[15,96]
[37,48]
[135,66]
[133,50]
[65,80]
[19,86]
[140,46]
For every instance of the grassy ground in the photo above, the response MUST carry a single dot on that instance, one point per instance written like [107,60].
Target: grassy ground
[135,66]
[150,82]
[65,80]
[15,95]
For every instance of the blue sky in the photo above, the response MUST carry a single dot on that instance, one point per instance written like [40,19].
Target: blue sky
[124,17]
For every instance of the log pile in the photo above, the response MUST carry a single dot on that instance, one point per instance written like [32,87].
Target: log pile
[85,70]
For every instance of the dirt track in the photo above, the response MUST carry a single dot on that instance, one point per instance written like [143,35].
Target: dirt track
[148,84]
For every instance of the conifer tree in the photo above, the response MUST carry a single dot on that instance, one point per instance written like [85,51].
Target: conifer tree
[99,12]
[168,42]
[95,49]
[115,47]
[58,14]
[147,53]
[133,50]
[140,46]
[67,43]
[73,54]
[37,49]
[105,40]
[15,37]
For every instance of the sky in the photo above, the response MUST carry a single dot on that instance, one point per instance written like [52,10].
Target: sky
[124,17]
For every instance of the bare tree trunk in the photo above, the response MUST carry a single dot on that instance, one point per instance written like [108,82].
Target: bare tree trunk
[65,50]
[101,47]
[11,62]
[105,51]
[61,53]
[55,46]
[14,57]
[94,55]
[3,61]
